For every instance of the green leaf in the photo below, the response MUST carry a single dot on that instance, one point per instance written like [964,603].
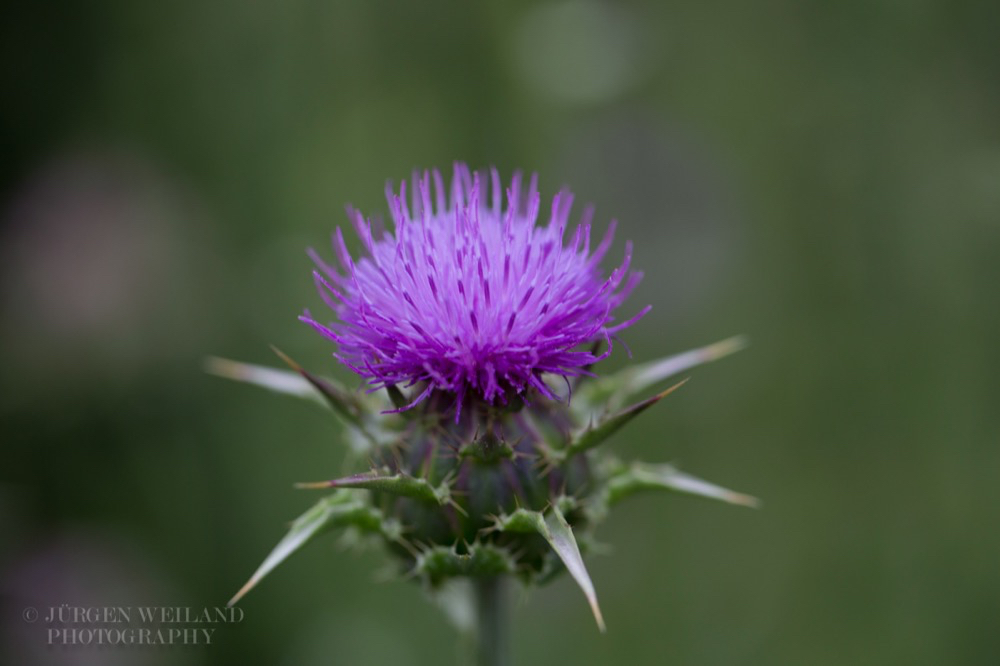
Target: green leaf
[280,381]
[560,536]
[646,476]
[341,509]
[647,374]
[394,484]
[300,384]
[367,427]
[558,533]
[335,395]
[611,392]
[595,435]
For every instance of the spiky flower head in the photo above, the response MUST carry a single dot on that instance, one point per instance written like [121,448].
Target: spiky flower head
[471,302]
[469,295]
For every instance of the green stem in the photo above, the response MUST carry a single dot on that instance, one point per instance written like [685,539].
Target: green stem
[493,622]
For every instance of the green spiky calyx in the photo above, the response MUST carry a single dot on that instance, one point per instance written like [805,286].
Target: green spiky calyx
[453,486]
[500,491]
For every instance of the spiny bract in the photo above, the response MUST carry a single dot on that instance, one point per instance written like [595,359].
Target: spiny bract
[470,325]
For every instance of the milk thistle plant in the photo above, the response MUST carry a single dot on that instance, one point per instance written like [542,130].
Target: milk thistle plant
[475,446]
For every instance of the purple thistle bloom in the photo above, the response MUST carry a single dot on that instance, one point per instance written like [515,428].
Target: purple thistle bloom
[469,297]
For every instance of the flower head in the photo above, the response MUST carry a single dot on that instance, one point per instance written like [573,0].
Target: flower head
[468,295]
[468,300]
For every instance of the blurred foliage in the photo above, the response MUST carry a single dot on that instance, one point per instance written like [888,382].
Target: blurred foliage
[823,177]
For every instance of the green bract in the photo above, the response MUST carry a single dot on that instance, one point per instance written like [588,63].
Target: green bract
[502,491]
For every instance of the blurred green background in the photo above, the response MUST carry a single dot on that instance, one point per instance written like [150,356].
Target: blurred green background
[823,177]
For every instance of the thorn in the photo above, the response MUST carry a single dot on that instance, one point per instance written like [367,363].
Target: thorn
[313,485]
[249,585]
[594,436]
[453,504]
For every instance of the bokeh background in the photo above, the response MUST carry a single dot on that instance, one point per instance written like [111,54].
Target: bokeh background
[823,177]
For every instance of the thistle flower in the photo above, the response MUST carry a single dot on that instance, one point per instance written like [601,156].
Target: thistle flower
[463,321]
[472,298]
